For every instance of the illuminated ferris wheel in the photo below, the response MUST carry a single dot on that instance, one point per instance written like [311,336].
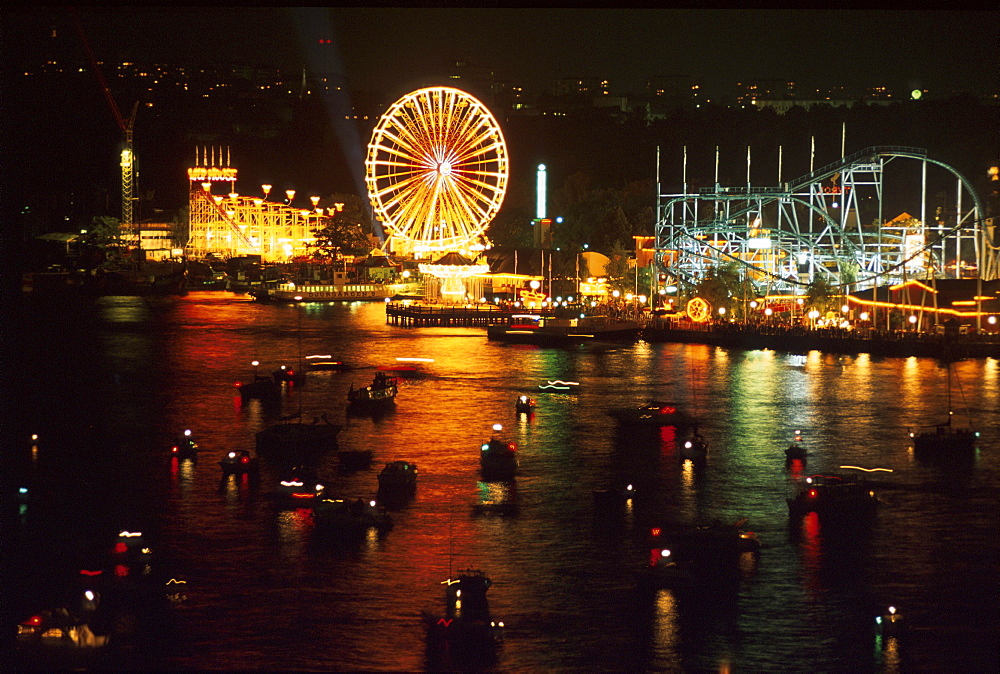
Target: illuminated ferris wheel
[437,169]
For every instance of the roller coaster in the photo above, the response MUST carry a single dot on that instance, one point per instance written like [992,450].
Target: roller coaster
[830,225]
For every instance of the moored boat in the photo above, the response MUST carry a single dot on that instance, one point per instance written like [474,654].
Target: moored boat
[381,393]
[467,630]
[832,495]
[524,405]
[347,516]
[498,458]
[398,478]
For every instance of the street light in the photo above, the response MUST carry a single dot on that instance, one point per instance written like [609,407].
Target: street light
[255,363]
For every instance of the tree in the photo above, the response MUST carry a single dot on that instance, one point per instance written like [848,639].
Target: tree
[345,231]
[617,269]
[820,295]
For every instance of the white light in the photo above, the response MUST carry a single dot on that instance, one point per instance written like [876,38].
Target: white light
[89,595]
[497,427]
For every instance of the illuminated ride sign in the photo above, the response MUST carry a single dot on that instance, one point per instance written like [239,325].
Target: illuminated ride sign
[211,174]
[699,310]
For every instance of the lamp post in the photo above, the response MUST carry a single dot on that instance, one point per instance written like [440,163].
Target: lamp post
[255,363]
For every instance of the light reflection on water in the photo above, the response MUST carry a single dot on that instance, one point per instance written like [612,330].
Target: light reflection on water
[266,591]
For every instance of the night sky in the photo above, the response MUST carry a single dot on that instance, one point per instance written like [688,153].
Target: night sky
[391,49]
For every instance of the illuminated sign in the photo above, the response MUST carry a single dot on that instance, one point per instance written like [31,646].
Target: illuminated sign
[205,173]
[759,243]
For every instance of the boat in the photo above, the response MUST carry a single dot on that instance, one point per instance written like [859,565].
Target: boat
[652,414]
[185,447]
[524,405]
[831,495]
[408,368]
[890,623]
[944,440]
[467,630]
[549,331]
[288,374]
[297,443]
[795,451]
[347,516]
[239,462]
[694,448]
[398,478]
[498,458]
[700,553]
[352,292]
[379,395]
[607,501]
[264,389]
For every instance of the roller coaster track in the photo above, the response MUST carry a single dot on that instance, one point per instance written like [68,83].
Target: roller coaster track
[689,235]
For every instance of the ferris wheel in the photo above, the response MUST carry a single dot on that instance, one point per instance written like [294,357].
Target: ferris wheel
[437,169]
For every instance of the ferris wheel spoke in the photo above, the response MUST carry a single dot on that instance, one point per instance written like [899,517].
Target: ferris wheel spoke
[406,149]
[471,200]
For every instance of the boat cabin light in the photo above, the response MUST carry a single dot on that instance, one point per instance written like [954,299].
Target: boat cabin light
[187,432]
[485,447]
[664,553]
[319,487]
[687,445]
[371,503]
[655,531]
[232,455]
[244,459]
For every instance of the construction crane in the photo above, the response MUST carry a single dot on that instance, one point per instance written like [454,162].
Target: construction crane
[129,235]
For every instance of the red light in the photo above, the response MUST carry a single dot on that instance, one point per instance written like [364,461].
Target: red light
[655,531]
[85,572]
[120,547]
[667,409]
[511,446]
[654,557]
[33,620]
[238,384]
[121,570]
[300,495]
[174,449]
[812,493]
[244,459]
[445,621]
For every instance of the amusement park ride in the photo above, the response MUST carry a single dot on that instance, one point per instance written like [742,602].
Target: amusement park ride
[787,236]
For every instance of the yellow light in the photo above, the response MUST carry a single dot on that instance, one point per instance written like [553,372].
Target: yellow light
[290,194]
[314,200]
[266,189]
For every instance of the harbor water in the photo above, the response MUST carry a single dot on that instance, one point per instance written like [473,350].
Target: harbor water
[108,385]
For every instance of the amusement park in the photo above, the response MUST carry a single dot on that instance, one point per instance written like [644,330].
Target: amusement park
[814,251]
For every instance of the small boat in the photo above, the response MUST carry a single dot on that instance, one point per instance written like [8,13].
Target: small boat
[398,478]
[467,630]
[239,462]
[185,447]
[652,414]
[795,451]
[408,367]
[832,495]
[264,389]
[498,458]
[694,448]
[524,405]
[352,460]
[890,623]
[945,440]
[348,516]
[319,362]
[298,443]
[704,553]
[379,395]
[288,375]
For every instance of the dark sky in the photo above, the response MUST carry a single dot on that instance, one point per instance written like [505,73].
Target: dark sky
[392,48]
